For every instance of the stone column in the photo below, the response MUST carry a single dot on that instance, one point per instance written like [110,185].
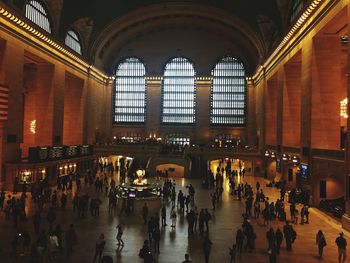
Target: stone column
[346,216]
[251,115]
[154,104]
[202,131]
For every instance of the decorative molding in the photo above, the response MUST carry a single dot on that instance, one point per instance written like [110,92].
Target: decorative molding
[22,29]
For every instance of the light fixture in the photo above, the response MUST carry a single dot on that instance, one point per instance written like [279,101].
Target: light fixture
[273,154]
[284,157]
[32,126]
[267,153]
[295,159]
[344,40]
[344,108]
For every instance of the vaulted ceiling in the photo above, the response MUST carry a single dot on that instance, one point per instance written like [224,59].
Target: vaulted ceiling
[248,28]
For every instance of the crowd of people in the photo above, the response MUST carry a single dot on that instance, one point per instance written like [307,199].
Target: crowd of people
[50,240]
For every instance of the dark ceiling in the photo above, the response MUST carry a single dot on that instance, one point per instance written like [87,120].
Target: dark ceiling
[102,12]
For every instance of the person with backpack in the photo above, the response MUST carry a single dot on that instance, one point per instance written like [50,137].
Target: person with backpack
[341,243]
[145,253]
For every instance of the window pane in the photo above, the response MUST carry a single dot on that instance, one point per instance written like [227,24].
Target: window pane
[298,6]
[72,41]
[228,93]
[130,92]
[177,139]
[36,13]
[179,91]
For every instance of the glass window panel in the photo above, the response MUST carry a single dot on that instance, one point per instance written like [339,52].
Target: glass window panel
[130,92]
[72,41]
[298,6]
[228,93]
[179,92]
[36,13]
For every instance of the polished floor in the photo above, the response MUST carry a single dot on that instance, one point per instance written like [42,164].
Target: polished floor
[174,244]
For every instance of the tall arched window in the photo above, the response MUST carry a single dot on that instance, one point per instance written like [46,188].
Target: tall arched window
[37,13]
[130,92]
[72,40]
[179,92]
[228,93]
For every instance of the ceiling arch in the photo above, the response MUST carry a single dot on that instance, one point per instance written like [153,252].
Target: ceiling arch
[179,18]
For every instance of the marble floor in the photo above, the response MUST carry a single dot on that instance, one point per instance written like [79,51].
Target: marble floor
[174,244]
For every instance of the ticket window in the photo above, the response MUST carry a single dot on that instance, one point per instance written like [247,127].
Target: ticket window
[26,176]
[41,174]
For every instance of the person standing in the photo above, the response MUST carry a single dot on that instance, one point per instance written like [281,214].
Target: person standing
[173,217]
[279,239]
[206,248]
[320,242]
[341,243]
[270,236]
[239,240]
[163,216]
[156,238]
[100,245]
[119,235]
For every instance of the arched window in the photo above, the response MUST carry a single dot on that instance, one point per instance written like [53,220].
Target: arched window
[179,92]
[297,7]
[37,13]
[130,92]
[72,40]
[228,93]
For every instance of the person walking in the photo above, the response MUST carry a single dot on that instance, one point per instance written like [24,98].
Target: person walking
[272,254]
[320,242]
[341,243]
[163,216]
[233,251]
[289,235]
[206,248]
[119,235]
[100,245]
